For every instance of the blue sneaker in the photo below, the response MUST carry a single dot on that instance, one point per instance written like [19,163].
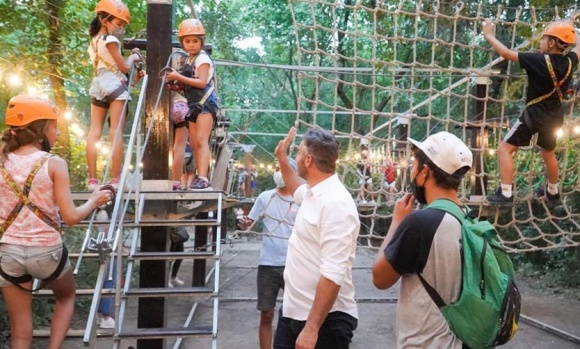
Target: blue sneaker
[200,184]
[542,193]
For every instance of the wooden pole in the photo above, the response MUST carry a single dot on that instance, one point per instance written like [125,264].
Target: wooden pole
[152,311]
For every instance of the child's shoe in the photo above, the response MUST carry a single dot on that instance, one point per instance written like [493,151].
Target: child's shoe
[92,184]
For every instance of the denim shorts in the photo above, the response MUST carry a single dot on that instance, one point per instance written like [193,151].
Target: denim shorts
[38,261]
[270,282]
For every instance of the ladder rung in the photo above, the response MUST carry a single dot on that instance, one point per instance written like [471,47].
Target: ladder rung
[150,256]
[140,333]
[168,292]
[45,333]
[164,195]
[172,223]
[80,292]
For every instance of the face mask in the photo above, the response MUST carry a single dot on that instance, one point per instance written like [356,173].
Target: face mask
[418,192]
[278,179]
[119,33]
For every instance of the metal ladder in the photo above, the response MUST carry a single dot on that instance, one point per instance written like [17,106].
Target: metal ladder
[210,200]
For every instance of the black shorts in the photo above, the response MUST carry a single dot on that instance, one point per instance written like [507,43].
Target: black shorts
[207,108]
[531,122]
[270,282]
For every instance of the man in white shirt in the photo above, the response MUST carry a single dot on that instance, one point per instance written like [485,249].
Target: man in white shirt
[277,211]
[319,309]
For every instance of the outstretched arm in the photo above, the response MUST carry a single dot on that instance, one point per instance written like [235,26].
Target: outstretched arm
[291,178]
[501,49]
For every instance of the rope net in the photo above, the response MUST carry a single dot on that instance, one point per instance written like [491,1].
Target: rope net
[377,72]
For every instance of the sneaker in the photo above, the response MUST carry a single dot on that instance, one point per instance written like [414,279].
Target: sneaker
[176,186]
[498,198]
[115,183]
[107,323]
[175,282]
[92,184]
[542,193]
[200,184]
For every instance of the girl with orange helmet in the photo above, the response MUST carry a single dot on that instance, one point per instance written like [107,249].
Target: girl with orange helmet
[36,195]
[549,75]
[109,91]
[198,77]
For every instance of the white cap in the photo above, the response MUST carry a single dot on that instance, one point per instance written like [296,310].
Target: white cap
[446,151]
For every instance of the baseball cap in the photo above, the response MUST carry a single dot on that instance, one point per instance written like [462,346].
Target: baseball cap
[447,152]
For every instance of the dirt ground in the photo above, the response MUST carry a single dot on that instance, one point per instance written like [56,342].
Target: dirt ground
[238,317]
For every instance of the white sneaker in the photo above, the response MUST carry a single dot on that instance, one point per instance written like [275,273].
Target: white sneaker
[107,323]
[175,282]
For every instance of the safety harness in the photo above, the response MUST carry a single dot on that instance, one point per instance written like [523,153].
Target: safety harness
[24,200]
[557,84]
[111,67]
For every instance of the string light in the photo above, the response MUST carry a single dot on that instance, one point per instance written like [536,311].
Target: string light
[560,133]
[14,80]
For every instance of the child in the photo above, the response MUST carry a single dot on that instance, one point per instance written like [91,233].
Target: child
[179,113]
[365,179]
[31,244]
[108,90]
[202,99]
[549,74]
[390,177]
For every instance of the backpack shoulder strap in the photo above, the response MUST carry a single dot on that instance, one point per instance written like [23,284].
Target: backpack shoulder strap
[451,208]
[456,211]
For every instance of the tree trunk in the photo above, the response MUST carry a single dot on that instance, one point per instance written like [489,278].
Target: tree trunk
[55,56]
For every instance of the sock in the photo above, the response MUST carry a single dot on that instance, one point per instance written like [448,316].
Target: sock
[506,190]
[553,188]
[204,178]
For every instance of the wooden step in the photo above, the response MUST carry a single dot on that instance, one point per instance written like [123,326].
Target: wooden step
[170,292]
[150,333]
[150,256]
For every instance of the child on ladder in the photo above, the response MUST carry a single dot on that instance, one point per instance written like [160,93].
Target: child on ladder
[109,91]
[549,74]
[198,78]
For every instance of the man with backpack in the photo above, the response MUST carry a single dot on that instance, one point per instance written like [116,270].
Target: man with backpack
[427,249]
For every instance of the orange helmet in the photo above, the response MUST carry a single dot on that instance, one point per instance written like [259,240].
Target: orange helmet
[562,30]
[115,8]
[190,26]
[24,109]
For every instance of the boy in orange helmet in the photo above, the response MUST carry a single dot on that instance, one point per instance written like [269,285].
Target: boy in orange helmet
[549,74]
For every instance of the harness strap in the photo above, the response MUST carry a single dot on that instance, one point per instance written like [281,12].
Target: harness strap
[17,280]
[557,84]
[111,66]
[22,195]
[191,62]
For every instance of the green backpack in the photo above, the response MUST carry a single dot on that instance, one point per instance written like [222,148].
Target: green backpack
[488,309]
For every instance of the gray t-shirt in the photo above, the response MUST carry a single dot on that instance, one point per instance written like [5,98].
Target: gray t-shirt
[428,242]
[278,214]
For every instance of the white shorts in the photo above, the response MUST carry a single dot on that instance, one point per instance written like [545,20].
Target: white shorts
[105,83]
[388,185]
[368,180]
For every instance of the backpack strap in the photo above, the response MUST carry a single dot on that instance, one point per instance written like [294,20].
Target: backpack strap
[557,84]
[456,211]
[22,195]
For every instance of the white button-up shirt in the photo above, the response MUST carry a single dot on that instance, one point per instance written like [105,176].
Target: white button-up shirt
[323,243]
